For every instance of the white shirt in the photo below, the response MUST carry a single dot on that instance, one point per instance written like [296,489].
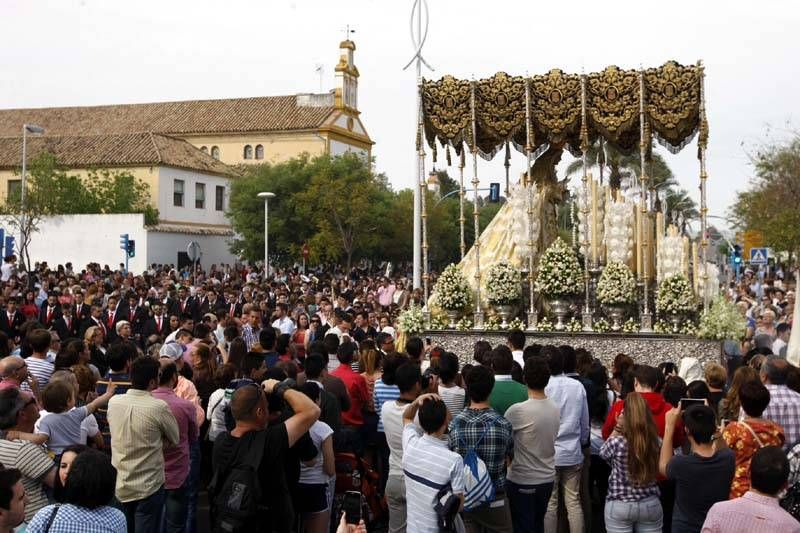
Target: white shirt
[315,474]
[778,345]
[285,325]
[392,417]
[215,414]
[7,270]
[517,355]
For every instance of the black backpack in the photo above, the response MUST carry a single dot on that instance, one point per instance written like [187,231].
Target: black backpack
[237,496]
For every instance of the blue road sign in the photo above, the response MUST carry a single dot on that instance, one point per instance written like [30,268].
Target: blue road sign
[758,256]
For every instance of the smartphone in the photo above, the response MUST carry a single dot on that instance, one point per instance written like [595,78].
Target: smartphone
[688,402]
[352,507]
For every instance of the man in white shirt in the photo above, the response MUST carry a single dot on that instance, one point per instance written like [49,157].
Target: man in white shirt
[283,322]
[516,343]
[9,268]
[782,341]
[407,379]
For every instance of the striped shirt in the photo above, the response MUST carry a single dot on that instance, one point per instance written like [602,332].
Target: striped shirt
[139,424]
[34,464]
[70,518]
[428,467]
[453,398]
[383,393]
[784,410]
[41,369]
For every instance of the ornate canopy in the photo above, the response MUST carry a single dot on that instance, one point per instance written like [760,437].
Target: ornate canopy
[672,97]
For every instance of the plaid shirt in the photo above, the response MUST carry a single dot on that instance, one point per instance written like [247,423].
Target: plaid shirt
[497,445]
[784,410]
[620,488]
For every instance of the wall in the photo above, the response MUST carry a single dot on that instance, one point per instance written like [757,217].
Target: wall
[207,216]
[278,147]
[163,248]
[339,148]
[84,239]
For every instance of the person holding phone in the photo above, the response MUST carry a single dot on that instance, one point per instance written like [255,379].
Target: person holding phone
[702,477]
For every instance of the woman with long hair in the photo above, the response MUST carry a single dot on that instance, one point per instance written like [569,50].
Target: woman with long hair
[203,369]
[93,337]
[730,404]
[237,349]
[632,450]
[622,363]
[29,307]
[300,337]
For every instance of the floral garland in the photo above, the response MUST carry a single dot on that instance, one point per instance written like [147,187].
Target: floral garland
[452,290]
[630,326]
[492,323]
[616,285]
[465,324]
[722,322]
[601,325]
[503,284]
[559,271]
[516,323]
[544,324]
[675,295]
[438,322]
[411,321]
[574,325]
[687,327]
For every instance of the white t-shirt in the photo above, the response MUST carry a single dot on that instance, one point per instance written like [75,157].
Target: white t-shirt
[285,325]
[518,357]
[215,414]
[453,398]
[7,270]
[392,416]
[315,475]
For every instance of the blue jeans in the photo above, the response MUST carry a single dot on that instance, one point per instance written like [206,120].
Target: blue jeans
[645,516]
[191,486]
[144,516]
[175,510]
[528,505]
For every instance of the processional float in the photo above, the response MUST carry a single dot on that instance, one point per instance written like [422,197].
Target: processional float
[541,116]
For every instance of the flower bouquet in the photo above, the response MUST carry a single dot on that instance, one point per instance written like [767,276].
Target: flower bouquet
[722,322]
[503,284]
[411,321]
[453,293]
[560,273]
[675,300]
[616,288]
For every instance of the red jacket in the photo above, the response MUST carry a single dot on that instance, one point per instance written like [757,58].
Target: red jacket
[658,406]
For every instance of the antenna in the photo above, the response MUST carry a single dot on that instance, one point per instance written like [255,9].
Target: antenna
[320,70]
[347,33]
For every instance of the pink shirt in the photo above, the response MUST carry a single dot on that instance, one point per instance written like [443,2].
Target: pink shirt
[186,390]
[176,458]
[751,512]
[385,295]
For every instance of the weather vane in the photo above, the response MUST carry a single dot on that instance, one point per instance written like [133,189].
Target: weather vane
[418,34]
[347,33]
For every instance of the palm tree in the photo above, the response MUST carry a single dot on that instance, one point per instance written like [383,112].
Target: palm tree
[680,205]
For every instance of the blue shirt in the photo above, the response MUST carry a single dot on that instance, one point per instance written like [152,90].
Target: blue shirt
[74,519]
[383,393]
[570,397]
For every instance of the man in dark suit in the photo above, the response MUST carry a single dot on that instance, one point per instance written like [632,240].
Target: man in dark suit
[50,310]
[184,305]
[95,319]
[112,315]
[158,324]
[66,325]
[11,320]
[137,315]
[82,310]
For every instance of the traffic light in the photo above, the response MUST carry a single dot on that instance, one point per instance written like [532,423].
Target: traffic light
[737,255]
[494,192]
[131,249]
[123,242]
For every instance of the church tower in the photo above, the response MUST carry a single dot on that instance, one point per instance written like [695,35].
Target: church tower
[346,95]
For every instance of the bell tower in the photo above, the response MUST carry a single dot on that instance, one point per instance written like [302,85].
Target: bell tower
[346,92]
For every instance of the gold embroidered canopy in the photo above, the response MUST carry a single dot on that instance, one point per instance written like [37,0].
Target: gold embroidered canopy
[671,96]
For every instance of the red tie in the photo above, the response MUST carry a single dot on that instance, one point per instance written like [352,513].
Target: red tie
[233,307]
[49,314]
[111,319]
[159,324]
[183,306]
[68,323]
[10,319]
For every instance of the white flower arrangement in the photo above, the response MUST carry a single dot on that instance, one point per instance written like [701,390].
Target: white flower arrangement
[452,290]
[630,326]
[661,326]
[438,322]
[675,295]
[559,271]
[411,321]
[722,322]
[544,324]
[616,285]
[516,323]
[601,325]
[574,325]
[465,324]
[503,284]
[492,323]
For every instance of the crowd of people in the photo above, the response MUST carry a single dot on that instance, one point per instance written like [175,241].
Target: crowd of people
[128,401]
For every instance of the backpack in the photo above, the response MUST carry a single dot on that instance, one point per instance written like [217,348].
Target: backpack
[478,485]
[237,496]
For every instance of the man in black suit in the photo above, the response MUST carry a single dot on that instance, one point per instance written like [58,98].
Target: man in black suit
[50,310]
[112,315]
[66,325]
[184,305]
[82,310]
[137,315]
[158,324]
[95,319]
[11,320]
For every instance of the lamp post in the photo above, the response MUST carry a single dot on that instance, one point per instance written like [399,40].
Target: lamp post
[36,130]
[266,197]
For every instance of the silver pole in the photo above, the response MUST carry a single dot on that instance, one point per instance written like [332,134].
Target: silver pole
[461,219]
[475,213]
[587,312]
[266,239]
[22,231]
[532,315]
[646,319]
[703,191]
[421,186]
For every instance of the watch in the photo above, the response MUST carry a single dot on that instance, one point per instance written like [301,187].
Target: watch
[281,388]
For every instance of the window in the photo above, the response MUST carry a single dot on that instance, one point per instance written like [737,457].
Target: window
[219,200]
[259,151]
[204,149]
[177,193]
[200,195]
[215,152]
[14,190]
[248,152]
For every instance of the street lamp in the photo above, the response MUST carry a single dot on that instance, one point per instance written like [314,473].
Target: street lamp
[266,197]
[26,129]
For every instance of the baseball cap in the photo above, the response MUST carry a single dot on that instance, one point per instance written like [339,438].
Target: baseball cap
[171,350]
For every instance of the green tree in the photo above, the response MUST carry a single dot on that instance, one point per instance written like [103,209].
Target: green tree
[623,166]
[767,205]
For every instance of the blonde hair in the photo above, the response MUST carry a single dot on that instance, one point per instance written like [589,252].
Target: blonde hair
[369,362]
[715,375]
[641,433]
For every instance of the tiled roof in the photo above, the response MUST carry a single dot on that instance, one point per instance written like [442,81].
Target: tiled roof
[133,149]
[266,113]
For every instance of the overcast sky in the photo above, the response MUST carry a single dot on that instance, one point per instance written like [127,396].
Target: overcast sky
[84,52]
